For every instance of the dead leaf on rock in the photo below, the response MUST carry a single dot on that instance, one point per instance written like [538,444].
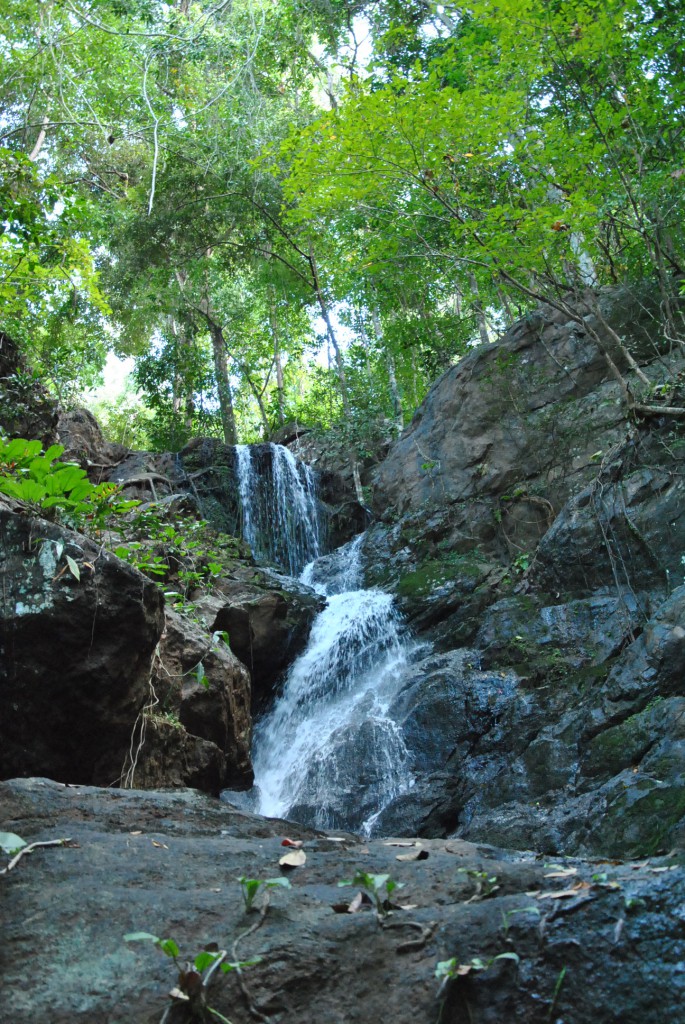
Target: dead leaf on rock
[360,902]
[139,833]
[419,854]
[562,873]
[577,889]
[177,994]
[161,846]
[407,906]
[356,904]
[296,844]
[293,860]
[402,842]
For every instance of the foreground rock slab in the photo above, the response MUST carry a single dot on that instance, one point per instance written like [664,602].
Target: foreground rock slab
[600,942]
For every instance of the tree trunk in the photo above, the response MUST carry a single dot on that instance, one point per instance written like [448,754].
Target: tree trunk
[478,310]
[280,390]
[223,385]
[323,306]
[398,412]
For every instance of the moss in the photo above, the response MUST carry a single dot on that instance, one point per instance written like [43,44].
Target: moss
[435,572]
[646,820]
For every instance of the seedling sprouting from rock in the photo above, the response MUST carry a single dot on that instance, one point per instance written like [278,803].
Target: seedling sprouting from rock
[486,884]
[379,887]
[251,886]
[193,976]
[446,970]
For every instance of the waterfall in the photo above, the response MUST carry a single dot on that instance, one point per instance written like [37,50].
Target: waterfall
[328,754]
[280,510]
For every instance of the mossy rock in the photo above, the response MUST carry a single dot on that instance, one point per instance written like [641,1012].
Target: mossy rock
[642,820]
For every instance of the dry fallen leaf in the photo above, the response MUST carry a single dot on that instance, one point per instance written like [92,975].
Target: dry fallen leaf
[138,833]
[407,906]
[356,904]
[177,994]
[161,846]
[402,842]
[295,843]
[293,860]
[563,893]
[419,854]
[562,873]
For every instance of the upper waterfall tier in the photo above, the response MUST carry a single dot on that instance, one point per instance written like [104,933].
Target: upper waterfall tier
[281,513]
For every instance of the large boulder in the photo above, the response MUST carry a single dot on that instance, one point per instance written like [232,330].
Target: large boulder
[582,941]
[267,617]
[76,643]
[579,755]
[202,692]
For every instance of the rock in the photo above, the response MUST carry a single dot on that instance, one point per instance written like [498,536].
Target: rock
[84,442]
[586,754]
[167,863]
[74,653]
[201,685]
[267,617]
[625,530]
[171,757]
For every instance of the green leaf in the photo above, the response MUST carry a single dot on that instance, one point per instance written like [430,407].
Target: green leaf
[73,568]
[11,843]
[204,960]
[169,947]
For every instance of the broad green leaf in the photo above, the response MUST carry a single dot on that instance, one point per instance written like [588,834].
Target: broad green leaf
[11,843]
[73,568]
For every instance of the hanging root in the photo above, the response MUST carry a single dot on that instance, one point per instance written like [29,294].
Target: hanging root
[128,770]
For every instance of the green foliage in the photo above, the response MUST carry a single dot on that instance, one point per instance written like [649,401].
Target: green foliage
[10,843]
[379,887]
[446,970]
[251,887]
[53,487]
[176,551]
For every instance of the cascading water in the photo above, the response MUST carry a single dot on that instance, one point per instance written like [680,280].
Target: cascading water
[328,754]
[280,509]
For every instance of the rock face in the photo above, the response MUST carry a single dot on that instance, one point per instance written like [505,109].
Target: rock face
[200,727]
[75,653]
[535,535]
[267,618]
[610,949]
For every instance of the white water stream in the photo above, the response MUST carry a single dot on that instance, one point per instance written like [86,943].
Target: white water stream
[328,754]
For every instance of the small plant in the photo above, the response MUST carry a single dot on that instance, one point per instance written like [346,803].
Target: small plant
[507,915]
[486,884]
[250,887]
[447,970]
[521,563]
[194,976]
[379,887]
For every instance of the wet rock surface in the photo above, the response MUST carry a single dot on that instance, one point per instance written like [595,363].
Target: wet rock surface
[74,652]
[530,528]
[591,941]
